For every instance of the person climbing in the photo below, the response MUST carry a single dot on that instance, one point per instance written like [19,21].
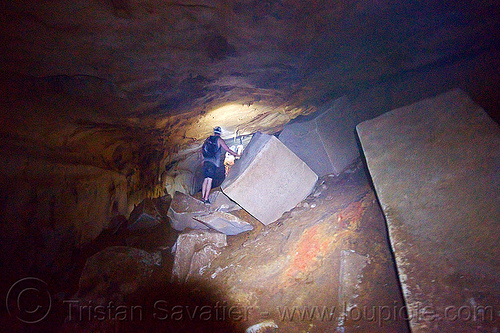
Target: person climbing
[211,151]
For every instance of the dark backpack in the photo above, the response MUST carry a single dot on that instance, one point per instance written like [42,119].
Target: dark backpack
[210,146]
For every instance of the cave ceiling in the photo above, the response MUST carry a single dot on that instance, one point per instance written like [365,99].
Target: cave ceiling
[156,76]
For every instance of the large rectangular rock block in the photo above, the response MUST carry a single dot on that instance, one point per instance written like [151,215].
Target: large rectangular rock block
[269,179]
[326,143]
[435,166]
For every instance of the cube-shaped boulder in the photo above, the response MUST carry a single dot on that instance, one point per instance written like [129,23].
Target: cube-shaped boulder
[269,179]
[327,143]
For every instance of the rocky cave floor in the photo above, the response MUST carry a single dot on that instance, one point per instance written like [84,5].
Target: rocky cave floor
[324,266]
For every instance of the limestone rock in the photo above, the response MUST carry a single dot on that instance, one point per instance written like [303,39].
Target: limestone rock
[326,143]
[144,216]
[267,326]
[50,208]
[225,223]
[180,182]
[351,267]
[201,260]
[188,244]
[151,239]
[184,209]
[221,202]
[269,179]
[435,167]
[114,273]
[161,205]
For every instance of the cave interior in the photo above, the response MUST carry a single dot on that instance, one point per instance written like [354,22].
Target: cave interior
[105,104]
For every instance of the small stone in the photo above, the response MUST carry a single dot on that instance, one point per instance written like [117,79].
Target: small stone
[313,205]
[265,326]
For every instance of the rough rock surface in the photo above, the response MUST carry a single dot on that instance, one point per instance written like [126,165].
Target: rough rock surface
[289,271]
[144,216]
[154,74]
[326,143]
[195,250]
[130,88]
[225,223]
[183,210]
[286,274]
[435,166]
[350,276]
[269,179]
[49,209]
[201,260]
[221,202]
[114,273]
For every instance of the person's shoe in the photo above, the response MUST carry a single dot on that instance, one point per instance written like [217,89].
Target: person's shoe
[206,202]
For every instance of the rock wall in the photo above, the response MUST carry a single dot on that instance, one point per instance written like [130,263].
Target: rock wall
[69,164]
[50,209]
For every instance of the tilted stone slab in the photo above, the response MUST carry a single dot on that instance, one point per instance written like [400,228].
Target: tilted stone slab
[435,166]
[184,209]
[225,223]
[269,179]
[326,143]
[221,203]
